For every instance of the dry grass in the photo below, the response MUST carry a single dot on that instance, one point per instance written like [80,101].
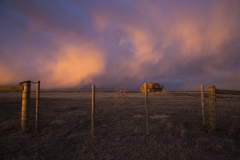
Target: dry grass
[64,128]
[120,95]
[138,117]
[159,117]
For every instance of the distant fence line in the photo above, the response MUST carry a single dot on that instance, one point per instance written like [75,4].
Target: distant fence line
[26,89]
[223,91]
[89,90]
[12,88]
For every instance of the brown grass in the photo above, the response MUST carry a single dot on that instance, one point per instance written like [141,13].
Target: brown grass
[176,130]
[120,95]
[159,117]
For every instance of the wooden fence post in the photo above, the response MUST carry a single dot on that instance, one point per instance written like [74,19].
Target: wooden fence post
[25,105]
[203,104]
[146,107]
[37,104]
[212,107]
[93,110]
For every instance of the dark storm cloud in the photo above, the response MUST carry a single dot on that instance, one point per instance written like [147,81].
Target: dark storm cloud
[181,44]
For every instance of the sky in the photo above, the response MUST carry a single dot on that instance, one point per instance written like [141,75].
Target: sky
[114,43]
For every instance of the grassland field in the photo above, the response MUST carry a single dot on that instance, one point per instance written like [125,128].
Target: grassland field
[177,130]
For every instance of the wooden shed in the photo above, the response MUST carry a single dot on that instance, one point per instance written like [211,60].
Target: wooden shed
[152,87]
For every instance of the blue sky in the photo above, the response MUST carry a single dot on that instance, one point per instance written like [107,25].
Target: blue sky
[181,44]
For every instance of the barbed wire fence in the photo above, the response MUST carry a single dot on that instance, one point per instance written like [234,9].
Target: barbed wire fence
[166,100]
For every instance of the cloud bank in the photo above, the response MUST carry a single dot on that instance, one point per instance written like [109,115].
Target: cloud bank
[121,43]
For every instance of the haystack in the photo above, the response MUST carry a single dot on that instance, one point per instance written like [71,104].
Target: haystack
[153,87]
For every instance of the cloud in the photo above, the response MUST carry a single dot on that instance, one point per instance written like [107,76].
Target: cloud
[121,43]
[64,63]
[74,66]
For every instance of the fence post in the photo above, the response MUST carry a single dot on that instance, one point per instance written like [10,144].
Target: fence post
[25,105]
[212,107]
[146,107]
[37,104]
[203,103]
[93,110]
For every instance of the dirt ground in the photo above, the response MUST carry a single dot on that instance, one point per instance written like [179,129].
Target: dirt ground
[179,127]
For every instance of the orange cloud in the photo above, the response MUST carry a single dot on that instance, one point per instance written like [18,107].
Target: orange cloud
[74,65]
[69,64]
[6,74]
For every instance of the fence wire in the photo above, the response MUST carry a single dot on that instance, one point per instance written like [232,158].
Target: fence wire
[166,109]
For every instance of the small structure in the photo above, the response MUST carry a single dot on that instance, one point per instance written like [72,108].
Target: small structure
[152,87]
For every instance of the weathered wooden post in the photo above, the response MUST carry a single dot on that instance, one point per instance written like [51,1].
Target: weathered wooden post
[146,107]
[37,104]
[25,104]
[93,110]
[203,104]
[212,107]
